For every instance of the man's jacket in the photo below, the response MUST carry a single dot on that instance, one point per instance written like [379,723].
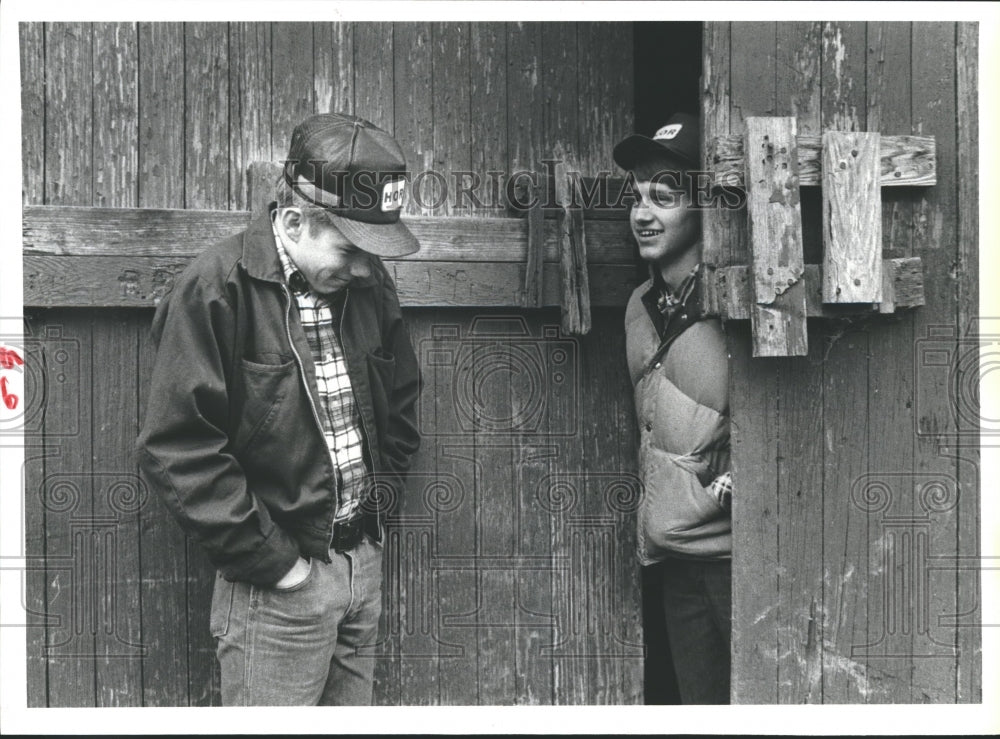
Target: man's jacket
[232,441]
[682,406]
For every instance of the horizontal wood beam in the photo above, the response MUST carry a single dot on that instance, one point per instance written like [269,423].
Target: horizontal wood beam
[904,161]
[127,281]
[730,292]
[84,231]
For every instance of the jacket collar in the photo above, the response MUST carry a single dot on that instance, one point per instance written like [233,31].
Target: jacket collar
[260,257]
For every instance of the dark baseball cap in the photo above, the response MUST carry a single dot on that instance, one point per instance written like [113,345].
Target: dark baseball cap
[357,172]
[679,139]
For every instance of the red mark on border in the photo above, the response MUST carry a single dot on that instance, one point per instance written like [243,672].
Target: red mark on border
[8,360]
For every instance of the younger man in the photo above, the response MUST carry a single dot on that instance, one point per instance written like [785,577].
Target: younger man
[678,365]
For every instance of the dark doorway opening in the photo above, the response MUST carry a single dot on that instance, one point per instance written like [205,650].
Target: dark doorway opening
[667,81]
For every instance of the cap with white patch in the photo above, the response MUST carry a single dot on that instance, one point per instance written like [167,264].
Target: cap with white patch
[679,139]
[357,172]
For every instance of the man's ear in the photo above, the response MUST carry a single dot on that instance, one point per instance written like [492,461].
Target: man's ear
[292,222]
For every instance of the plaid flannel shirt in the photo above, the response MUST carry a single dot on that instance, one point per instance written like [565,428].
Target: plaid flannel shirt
[337,410]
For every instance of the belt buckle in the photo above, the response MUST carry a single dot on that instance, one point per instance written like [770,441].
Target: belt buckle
[347,534]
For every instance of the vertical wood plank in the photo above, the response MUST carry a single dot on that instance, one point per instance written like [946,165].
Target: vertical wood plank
[292,81]
[206,173]
[206,131]
[524,129]
[116,124]
[414,109]
[161,115]
[852,218]
[488,107]
[373,77]
[333,71]
[935,228]
[162,556]
[774,220]
[753,393]
[605,91]
[32,40]
[36,607]
[969,686]
[250,104]
[452,125]
[424,664]
[845,394]
[69,181]
[559,77]
[721,227]
[800,422]
[118,499]
[890,363]
[116,114]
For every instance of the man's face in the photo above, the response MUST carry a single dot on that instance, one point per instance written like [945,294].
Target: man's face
[663,224]
[324,256]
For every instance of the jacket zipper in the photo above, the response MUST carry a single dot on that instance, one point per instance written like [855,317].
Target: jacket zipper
[361,416]
[305,383]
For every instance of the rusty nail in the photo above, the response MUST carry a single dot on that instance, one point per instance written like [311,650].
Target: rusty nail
[857,281]
[770,271]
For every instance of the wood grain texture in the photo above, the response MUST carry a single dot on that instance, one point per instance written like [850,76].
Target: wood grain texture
[78,231]
[161,115]
[251,105]
[935,231]
[904,160]
[753,392]
[605,90]
[116,114]
[575,289]
[720,227]
[333,67]
[413,101]
[775,225]
[852,218]
[488,105]
[969,685]
[452,135]
[374,79]
[31,37]
[292,81]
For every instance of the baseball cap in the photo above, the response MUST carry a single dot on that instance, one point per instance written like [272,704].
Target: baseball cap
[357,172]
[679,139]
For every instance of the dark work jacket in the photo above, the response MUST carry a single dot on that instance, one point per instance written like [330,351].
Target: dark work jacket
[679,373]
[232,440]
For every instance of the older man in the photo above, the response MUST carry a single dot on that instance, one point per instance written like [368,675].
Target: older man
[283,394]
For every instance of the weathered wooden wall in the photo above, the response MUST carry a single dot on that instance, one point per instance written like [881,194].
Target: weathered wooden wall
[510,574]
[856,512]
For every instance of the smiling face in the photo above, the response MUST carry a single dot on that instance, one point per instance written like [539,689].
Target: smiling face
[666,228]
[325,257]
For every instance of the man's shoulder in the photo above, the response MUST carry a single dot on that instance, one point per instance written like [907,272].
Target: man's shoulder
[635,307]
[214,267]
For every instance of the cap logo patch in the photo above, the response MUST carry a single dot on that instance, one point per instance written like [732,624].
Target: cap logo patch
[392,195]
[668,132]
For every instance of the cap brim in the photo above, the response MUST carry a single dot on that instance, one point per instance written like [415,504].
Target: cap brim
[380,239]
[636,147]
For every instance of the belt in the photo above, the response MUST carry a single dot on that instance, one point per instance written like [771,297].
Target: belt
[347,534]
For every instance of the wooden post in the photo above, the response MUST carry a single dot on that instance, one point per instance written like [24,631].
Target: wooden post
[261,179]
[534,266]
[775,224]
[572,246]
[852,218]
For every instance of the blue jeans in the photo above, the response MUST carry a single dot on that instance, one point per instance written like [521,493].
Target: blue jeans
[697,608]
[300,646]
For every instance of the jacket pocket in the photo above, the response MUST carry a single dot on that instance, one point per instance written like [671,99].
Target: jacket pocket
[263,388]
[299,585]
[222,606]
[381,377]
